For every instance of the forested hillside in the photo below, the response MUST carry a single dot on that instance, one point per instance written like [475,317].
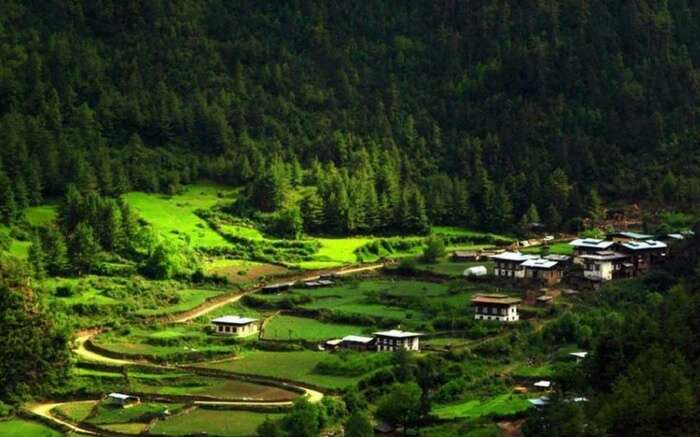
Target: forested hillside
[481,113]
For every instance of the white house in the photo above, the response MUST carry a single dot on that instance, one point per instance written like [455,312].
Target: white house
[124,400]
[509,264]
[235,325]
[605,265]
[395,339]
[496,307]
[475,271]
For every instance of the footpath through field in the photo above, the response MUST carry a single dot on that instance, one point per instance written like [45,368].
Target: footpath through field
[44,410]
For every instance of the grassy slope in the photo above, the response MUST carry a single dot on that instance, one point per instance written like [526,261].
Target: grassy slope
[78,411]
[308,329]
[295,366]
[501,405]
[220,423]
[24,428]
[174,215]
[189,298]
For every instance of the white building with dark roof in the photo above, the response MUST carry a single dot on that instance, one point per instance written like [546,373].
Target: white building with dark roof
[589,246]
[236,326]
[496,307]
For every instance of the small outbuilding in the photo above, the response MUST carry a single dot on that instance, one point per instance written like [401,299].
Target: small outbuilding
[123,400]
[578,356]
[475,271]
[236,326]
[543,385]
[544,300]
[357,342]
[274,288]
[465,255]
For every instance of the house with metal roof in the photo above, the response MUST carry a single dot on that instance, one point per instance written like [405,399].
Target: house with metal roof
[236,326]
[545,271]
[606,265]
[589,246]
[509,264]
[497,307]
[644,254]
[625,236]
[396,339]
[124,400]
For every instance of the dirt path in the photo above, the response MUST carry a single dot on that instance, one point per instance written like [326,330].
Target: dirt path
[81,351]
[207,308]
[44,410]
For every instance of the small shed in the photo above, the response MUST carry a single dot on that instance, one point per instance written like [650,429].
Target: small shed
[578,356]
[465,255]
[543,385]
[544,300]
[475,271]
[123,400]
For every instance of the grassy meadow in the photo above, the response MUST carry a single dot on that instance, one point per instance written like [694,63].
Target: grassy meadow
[293,328]
[213,422]
[25,428]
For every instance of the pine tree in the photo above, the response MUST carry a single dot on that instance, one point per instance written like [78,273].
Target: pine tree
[34,181]
[553,218]
[312,209]
[56,251]
[70,210]
[83,248]
[8,206]
[37,257]
[594,205]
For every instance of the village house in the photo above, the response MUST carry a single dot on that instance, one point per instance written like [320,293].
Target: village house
[509,264]
[605,266]
[643,254]
[397,339]
[542,270]
[589,246]
[357,342]
[125,401]
[236,326]
[496,307]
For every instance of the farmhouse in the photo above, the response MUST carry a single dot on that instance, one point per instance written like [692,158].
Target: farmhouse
[463,255]
[125,401]
[644,254]
[589,246]
[397,339]
[542,270]
[605,266]
[235,325]
[496,307]
[509,264]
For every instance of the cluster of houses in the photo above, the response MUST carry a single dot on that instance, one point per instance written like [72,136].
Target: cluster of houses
[620,255]
[382,341]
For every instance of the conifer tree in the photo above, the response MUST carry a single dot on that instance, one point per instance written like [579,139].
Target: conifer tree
[55,250]
[37,257]
[83,248]
[8,206]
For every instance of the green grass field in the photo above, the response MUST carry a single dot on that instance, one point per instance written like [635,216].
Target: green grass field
[213,422]
[293,328]
[189,298]
[41,215]
[295,366]
[77,411]
[25,428]
[174,215]
[502,405]
[446,267]
[108,414]
[556,248]
[335,252]
[238,271]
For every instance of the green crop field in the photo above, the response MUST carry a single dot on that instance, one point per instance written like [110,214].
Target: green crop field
[175,215]
[501,405]
[293,328]
[25,428]
[295,366]
[213,422]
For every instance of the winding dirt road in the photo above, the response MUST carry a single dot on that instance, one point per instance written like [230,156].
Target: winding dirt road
[44,410]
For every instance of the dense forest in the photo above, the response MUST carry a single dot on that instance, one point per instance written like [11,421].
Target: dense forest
[481,113]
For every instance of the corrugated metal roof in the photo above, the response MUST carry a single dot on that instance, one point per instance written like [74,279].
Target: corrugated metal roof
[539,263]
[396,333]
[592,243]
[358,339]
[514,256]
[502,300]
[234,320]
